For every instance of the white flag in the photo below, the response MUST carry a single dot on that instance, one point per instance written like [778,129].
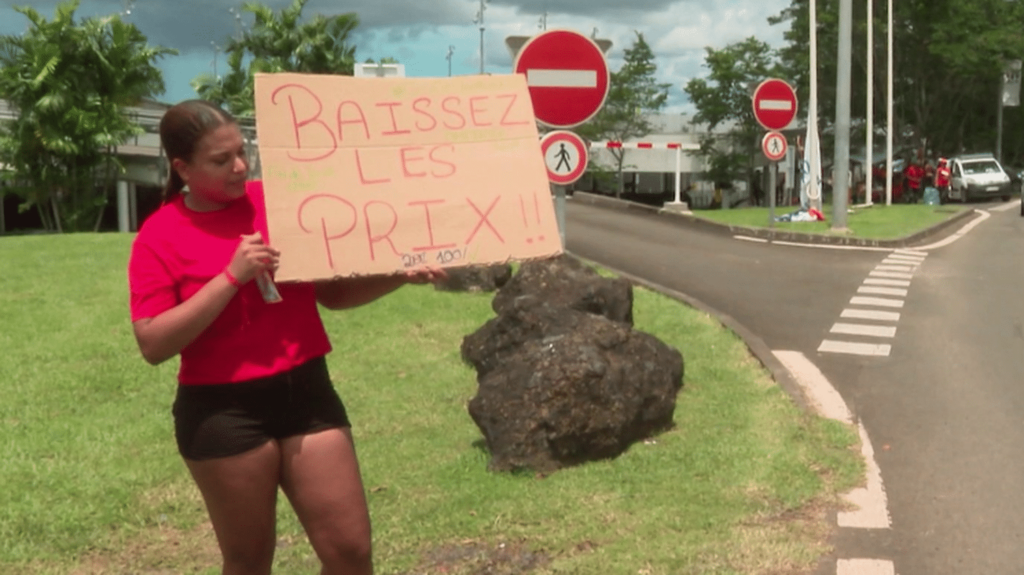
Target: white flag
[810,187]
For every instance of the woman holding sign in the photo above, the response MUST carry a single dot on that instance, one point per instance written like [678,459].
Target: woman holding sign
[255,409]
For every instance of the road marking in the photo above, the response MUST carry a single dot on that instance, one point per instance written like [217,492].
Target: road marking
[893,275]
[854,348]
[916,252]
[883,282]
[821,395]
[1006,207]
[865,567]
[903,258]
[882,291]
[982,216]
[894,262]
[861,329]
[750,239]
[542,78]
[904,269]
[833,247]
[872,504]
[871,314]
[876,301]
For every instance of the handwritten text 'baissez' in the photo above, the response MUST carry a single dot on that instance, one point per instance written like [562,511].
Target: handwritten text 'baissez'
[310,124]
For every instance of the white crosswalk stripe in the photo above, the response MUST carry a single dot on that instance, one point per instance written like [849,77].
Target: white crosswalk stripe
[872,290]
[871,314]
[886,288]
[855,348]
[861,329]
[876,302]
[885,282]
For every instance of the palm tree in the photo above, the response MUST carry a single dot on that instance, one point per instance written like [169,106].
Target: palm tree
[69,84]
[280,43]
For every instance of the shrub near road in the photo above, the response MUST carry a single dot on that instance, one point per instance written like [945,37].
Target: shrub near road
[93,483]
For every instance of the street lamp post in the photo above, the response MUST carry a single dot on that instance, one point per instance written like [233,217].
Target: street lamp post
[216,54]
[451,50]
[480,20]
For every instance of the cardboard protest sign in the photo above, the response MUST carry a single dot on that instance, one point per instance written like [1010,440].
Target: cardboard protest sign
[367,176]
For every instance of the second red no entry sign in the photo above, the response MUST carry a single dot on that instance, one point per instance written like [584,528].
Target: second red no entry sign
[774,104]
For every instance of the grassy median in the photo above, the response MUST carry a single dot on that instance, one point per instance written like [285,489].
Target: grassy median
[92,482]
[877,222]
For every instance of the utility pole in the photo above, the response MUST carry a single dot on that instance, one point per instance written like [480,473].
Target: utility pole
[451,50]
[543,24]
[841,165]
[480,21]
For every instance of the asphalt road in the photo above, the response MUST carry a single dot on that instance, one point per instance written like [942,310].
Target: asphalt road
[943,409]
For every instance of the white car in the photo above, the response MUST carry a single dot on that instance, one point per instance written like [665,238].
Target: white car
[978,176]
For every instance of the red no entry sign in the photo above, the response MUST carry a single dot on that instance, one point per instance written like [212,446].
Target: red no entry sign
[774,104]
[567,76]
[565,156]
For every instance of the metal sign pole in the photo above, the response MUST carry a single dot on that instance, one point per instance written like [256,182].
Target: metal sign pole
[772,167]
[679,169]
[560,210]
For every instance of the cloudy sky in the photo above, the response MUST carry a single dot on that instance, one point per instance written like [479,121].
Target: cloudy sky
[419,32]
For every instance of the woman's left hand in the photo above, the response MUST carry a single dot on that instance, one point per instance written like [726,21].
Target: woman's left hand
[426,275]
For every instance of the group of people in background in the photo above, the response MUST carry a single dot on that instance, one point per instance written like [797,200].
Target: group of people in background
[909,184]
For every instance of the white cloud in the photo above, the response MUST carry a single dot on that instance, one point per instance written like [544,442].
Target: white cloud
[419,32]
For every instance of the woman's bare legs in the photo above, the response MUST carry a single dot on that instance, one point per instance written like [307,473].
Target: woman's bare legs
[241,497]
[320,476]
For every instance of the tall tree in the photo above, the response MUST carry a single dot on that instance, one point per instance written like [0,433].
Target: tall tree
[69,83]
[279,42]
[633,93]
[948,60]
[723,99]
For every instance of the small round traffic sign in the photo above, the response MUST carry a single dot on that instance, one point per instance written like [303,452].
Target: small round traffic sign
[565,156]
[774,146]
[774,104]
[567,77]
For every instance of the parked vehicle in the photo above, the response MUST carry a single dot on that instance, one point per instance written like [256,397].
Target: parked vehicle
[978,176]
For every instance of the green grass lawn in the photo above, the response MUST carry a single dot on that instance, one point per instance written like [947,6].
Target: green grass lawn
[877,222]
[92,482]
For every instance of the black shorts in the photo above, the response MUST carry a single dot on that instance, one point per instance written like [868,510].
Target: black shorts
[222,420]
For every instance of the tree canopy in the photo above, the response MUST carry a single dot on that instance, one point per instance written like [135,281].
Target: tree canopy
[633,92]
[69,82]
[948,60]
[279,42]
[723,97]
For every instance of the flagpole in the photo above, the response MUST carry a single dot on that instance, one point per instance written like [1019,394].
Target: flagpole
[888,114]
[869,148]
[813,191]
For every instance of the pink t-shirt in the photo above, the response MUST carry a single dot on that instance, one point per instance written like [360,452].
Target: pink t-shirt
[179,250]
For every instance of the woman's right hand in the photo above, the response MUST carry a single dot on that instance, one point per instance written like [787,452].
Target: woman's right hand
[252,257]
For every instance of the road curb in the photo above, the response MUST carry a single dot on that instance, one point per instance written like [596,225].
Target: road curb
[757,346]
[768,234]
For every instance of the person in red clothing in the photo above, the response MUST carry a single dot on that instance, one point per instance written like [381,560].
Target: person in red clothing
[914,174]
[942,175]
[255,408]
